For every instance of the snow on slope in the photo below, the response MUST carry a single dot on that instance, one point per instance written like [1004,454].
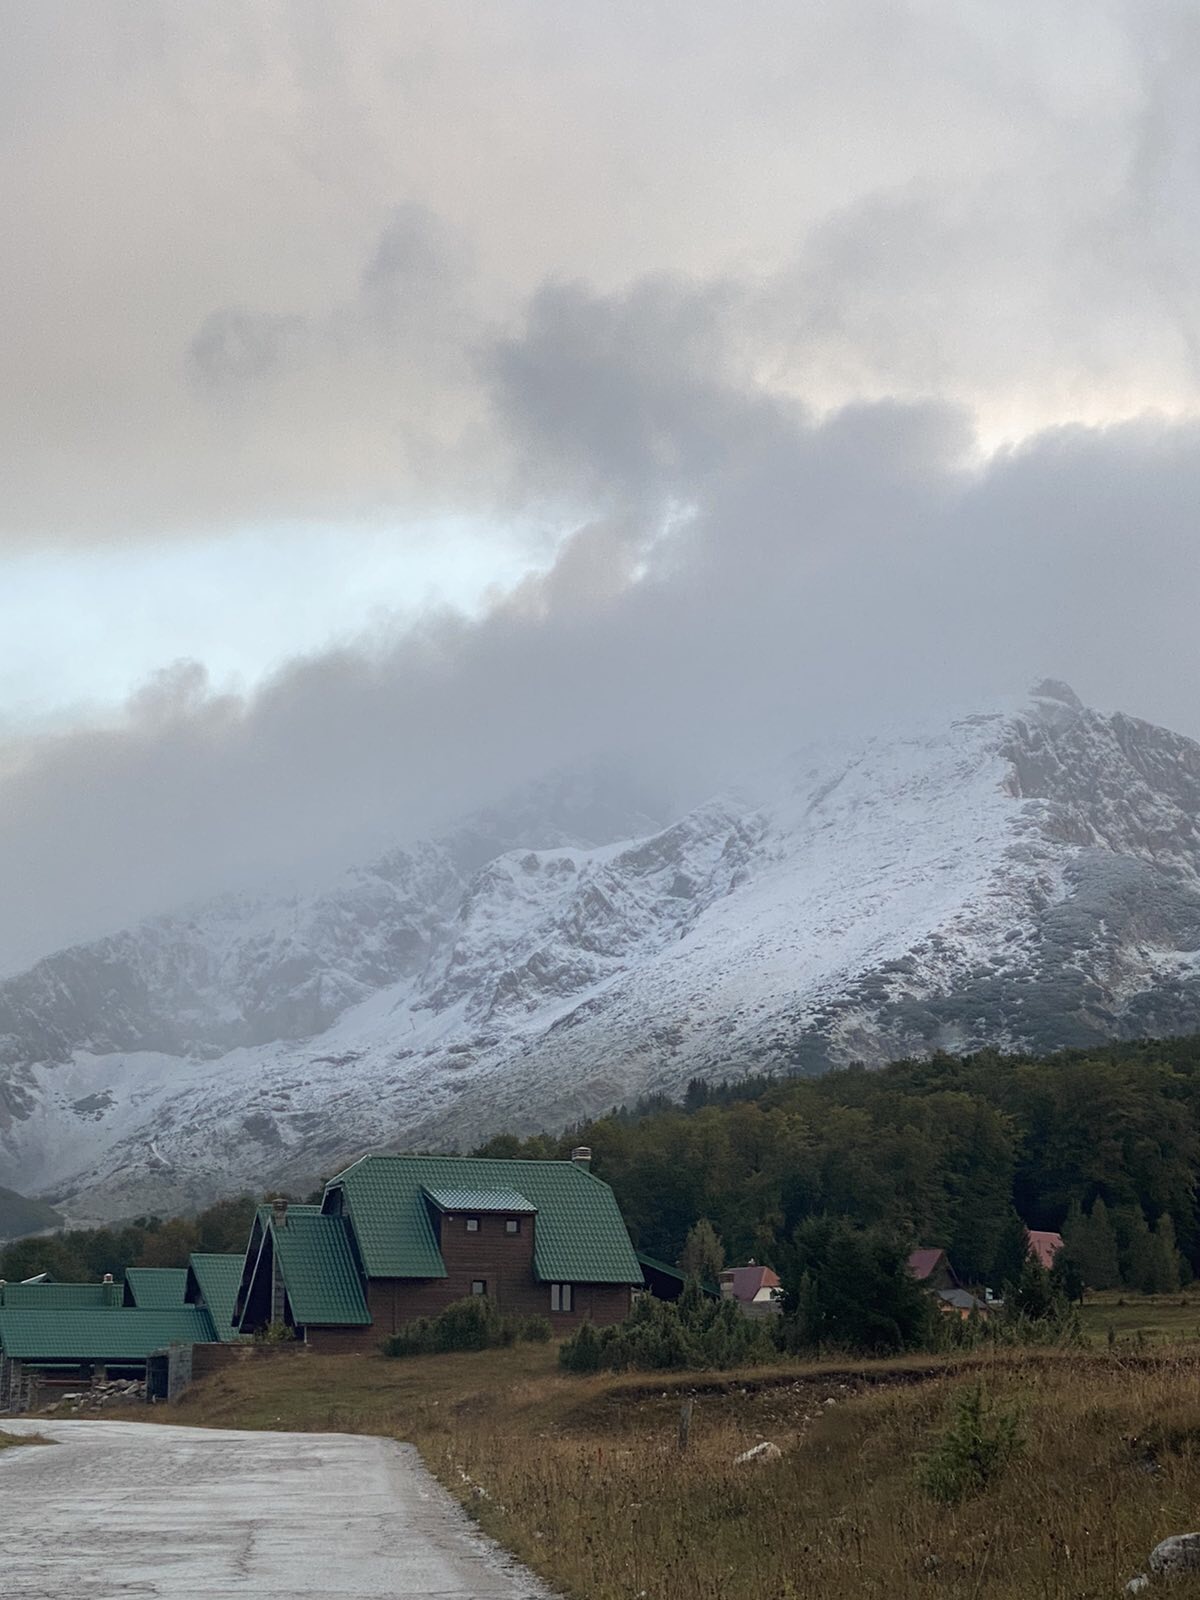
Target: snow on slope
[1029,878]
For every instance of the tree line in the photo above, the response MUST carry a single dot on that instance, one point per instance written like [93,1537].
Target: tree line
[962,1152]
[84,1255]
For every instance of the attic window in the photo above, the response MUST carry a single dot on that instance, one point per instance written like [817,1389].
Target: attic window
[472,1224]
[512,1224]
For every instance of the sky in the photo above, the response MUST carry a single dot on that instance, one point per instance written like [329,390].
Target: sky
[403,400]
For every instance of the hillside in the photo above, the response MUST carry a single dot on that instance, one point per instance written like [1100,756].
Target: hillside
[19,1216]
[1025,878]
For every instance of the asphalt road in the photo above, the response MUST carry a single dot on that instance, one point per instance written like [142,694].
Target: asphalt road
[114,1510]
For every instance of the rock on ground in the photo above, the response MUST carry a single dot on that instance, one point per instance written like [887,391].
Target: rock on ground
[1179,1553]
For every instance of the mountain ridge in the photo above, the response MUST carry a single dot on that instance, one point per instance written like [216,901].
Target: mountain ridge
[1027,879]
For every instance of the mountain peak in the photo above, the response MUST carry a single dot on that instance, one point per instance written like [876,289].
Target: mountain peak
[1060,693]
[1026,881]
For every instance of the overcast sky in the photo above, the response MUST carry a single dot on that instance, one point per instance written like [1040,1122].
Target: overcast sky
[403,399]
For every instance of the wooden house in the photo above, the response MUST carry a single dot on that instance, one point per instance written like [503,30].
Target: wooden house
[400,1237]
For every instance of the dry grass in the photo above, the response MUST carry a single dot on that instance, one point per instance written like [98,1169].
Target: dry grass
[8,1439]
[1153,1318]
[582,1478]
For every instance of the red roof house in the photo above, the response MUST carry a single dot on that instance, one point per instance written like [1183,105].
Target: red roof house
[1044,1246]
[755,1288]
[932,1270]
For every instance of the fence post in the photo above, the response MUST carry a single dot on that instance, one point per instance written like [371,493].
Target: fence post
[685,1423]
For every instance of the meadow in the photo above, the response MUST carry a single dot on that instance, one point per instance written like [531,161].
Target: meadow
[583,1478]
[1141,1318]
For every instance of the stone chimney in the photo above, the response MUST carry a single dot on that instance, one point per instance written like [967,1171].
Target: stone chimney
[582,1156]
[279,1208]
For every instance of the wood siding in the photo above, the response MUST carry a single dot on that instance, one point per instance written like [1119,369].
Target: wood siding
[502,1260]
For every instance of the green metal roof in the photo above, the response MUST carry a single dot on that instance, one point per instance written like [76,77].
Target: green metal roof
[579,1236]
[507,1200]
[217,1278]
[669,1271]
[60,1296]
[156,1288]
[319,1272]
[122,1333]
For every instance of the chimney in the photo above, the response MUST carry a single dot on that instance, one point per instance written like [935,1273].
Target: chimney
[582,1156]
[279,1208]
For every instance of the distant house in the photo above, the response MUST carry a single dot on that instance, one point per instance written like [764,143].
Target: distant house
[961,1302]
[400,1237]
[756,1289]
[1043,1247]
[931,1268]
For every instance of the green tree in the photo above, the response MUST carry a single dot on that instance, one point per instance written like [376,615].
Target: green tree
[1066,1276]
[1094,1244]
[1135,1244]
[169,1245]
[851,1287]
[224,1228]
[1162,1259]
[1033,1296]
[1012,1252]
[703,1254]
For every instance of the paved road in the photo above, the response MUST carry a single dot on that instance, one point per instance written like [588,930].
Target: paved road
[114,1510]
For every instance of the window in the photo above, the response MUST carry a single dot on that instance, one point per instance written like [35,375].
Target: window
[479,1286]
[562,1297]
[512,1224]
[472,1224]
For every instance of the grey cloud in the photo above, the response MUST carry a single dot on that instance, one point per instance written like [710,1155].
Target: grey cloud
[729,294]
[261,246]
[238,346]
[828,575]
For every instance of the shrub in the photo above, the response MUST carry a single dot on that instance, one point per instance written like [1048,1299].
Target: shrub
[275,1333]
[976,1447]
[470,1324]
[581,1353]
[695,1331]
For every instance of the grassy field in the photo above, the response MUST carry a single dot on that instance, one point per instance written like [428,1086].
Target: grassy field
[1155,1317]
[584,1480]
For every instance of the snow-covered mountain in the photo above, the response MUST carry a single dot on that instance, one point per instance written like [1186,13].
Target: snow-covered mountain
[1028,878]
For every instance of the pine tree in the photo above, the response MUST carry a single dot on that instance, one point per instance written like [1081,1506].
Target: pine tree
[1032,1295]
[1012,1252]
[1137,1247]
[1099,1258]
[1162,1259]
[703,1253]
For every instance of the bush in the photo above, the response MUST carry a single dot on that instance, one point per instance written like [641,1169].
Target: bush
[694,1331]
[470,1324]
[581,1353]
[275,1333]
[976,1447]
